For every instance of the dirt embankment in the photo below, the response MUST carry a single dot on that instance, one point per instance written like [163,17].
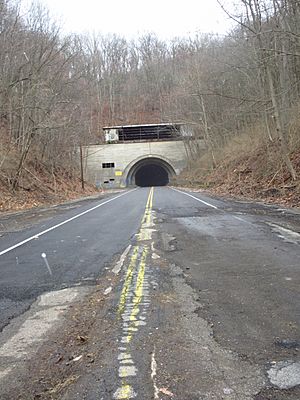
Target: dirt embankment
[253,172]
[39,187]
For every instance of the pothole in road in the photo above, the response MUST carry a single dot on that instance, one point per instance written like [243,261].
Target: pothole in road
[288,344]
[168,242]
[22,338]
[284,374]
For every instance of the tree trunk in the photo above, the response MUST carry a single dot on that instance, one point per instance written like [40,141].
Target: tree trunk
[279,127]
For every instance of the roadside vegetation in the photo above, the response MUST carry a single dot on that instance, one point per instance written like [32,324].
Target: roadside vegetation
[248,167]
[241,92]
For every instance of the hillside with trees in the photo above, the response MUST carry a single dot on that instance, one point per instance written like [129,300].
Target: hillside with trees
[240,91]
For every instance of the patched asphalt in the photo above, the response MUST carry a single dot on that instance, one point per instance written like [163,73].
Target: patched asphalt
[205,306]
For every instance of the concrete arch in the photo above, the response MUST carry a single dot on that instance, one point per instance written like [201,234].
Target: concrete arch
[138,169]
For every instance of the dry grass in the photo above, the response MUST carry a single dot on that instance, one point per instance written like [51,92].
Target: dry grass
[250,166]
[38,185]
[63,384]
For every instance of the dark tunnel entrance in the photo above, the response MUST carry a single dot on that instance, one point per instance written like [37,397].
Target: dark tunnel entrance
[150,171]
[151,175]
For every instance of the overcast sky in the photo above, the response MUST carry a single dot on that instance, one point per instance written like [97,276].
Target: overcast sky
[166,18]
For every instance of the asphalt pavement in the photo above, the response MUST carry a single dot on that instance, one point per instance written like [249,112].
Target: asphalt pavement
[156,294]
[76,251]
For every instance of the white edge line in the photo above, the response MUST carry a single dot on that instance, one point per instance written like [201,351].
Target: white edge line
[283,230]
[196,198]
[62,223]
[210,205]
[241,219]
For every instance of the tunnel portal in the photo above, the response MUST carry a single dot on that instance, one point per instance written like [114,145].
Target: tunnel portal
[151,175]
[140,154]
[150,172]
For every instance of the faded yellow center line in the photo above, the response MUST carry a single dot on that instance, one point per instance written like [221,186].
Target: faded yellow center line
[128,279]
[148,207]
[138,294]
[134,256]
[125,392]
[147,220]
[129,309]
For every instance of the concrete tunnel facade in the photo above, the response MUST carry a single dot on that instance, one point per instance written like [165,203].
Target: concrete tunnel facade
[117,165]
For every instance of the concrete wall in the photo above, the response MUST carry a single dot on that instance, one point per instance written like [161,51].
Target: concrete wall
[126,155]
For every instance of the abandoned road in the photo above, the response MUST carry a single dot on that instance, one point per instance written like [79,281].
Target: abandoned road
[150,293]
[78,242]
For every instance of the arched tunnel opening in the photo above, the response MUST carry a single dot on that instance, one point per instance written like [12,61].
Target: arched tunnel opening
[151,175]
[150,171]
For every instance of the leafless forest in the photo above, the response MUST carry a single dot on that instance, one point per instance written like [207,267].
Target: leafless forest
[241,91]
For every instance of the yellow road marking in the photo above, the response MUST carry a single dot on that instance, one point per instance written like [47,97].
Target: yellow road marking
[139,252]
[128,280]
[147,220]
[138,293]
[148,206]
[134,256]
[125,392]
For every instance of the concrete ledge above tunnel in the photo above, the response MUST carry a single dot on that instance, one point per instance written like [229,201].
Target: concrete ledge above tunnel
[150,172]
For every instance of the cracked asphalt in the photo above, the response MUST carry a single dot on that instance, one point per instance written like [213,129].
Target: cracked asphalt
[181,295]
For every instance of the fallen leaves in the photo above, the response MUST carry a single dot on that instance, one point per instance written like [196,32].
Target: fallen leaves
[63,384]
[166,392]
[249,174]
[82,339]
[41,194]
[77,358]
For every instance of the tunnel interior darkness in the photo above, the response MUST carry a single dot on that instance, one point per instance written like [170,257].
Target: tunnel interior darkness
[151,175]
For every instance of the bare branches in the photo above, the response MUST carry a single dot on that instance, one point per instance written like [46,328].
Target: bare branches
[57,92]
